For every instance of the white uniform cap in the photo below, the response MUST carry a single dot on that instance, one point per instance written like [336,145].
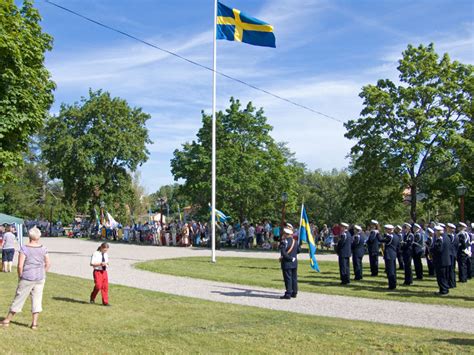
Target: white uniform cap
[288,229]
[344,225]
[442,225]
[472,225]
[373,221]
[430,230]
[416,225]
[407,225]
[462,224]
[357,227]
[439,228]
[388,226]
[398,227]
[450,225]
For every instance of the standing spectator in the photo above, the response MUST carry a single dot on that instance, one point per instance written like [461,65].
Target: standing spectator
[100,263]
[173,233]
[276,233]
[259,233]
[251,236]
[8,249]
[33,263]
[185,235]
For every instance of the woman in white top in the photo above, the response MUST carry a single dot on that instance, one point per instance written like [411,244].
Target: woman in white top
[100,263]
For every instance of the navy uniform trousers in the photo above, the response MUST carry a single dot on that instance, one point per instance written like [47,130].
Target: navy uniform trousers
[344,270]
[290,276]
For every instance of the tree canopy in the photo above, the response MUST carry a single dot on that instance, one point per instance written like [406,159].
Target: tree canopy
[26,90]
[406,132]
[252,169]
[93,146]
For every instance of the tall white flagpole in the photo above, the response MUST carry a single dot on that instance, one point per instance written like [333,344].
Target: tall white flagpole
[213,212]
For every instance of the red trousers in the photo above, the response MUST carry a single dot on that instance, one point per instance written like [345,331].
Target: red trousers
[101,283]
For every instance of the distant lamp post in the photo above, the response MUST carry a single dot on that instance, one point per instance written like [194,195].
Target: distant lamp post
[284,200]
[462,189]
[161,202]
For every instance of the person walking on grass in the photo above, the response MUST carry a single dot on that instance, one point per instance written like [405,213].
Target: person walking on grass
[33,263]
[100,263]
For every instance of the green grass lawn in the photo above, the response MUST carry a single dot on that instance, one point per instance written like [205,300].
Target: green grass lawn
[267,273]
[144,322]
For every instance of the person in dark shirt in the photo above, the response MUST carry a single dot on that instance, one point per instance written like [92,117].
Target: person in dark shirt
[464,251]
[343,249]
[451,233]
[373,247]
[429,257]
[358,251]
[407,252]
[441,251]
[289,250]
[391,245]
[418,251]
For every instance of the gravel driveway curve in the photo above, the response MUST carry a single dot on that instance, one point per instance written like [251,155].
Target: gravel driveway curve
[71,257]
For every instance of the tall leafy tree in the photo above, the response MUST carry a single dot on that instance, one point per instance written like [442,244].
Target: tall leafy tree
[405,131]
[93,146]
[26,90]
[252,169]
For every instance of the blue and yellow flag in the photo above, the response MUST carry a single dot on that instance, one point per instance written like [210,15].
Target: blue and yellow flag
[234,25]
[220,216]
[306,236]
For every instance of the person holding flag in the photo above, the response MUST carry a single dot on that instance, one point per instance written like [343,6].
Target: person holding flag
[289,250]
[305,235]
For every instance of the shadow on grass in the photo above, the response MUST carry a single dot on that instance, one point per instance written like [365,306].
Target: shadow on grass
[457,341]
[16,323]
[258,267]
[69,300]
[244,292]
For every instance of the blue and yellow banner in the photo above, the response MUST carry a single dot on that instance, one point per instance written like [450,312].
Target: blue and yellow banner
[220,216]
[234,25]
[306,236]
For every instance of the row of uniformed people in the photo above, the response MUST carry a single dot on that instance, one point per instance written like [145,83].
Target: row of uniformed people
[403,244]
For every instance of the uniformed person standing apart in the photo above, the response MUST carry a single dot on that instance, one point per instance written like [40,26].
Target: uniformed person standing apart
[289,250]
[373,247]
[464,251]
[358,251]
[343,249]
[418,251]
[450,229]
[441,251]
[398,232]
[407,253]
[391,243]
[428,255]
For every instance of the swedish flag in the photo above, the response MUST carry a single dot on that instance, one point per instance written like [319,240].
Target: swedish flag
[234,25]
[307,236]
[220,216]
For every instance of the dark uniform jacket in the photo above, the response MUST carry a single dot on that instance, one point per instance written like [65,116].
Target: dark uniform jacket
[454,244]
[441,251]
[373,242]
[407,244]
[429,245]
[418,243]
[464,243]
[392,244]
[289,249]
[344,244]
[358,246]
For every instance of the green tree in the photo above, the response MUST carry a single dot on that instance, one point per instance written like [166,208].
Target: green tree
[92,146]
[324,196]
[405,132]
[252,169]
[26,91]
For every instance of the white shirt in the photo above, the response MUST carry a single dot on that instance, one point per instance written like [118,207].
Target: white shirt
[96,258]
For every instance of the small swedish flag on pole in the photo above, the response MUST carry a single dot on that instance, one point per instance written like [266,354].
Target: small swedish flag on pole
[234,25]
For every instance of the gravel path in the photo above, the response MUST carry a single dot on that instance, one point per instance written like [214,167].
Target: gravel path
[71,257]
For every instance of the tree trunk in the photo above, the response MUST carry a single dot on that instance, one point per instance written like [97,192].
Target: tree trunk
[413,189]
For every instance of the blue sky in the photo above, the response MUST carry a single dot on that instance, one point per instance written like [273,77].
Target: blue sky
[326,51]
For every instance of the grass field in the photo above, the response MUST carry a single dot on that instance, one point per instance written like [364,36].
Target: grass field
[267,273]
[142,321]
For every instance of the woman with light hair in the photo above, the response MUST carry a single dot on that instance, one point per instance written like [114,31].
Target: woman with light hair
[33,263]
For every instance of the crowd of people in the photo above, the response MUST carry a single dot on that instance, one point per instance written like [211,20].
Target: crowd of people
[444,246]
